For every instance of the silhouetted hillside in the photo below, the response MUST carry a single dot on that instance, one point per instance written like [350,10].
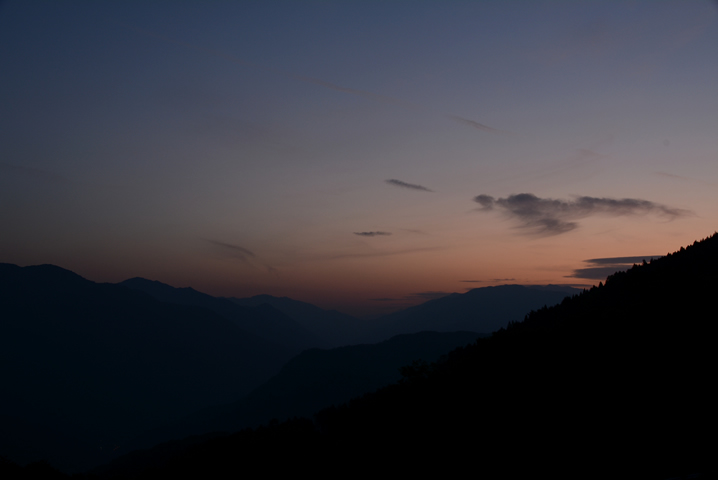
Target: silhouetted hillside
[86,366]
[614,382]
[616,379]
[316,379]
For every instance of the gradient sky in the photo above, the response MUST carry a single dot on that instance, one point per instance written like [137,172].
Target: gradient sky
[357,155]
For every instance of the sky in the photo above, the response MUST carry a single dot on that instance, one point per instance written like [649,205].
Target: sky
[358,155]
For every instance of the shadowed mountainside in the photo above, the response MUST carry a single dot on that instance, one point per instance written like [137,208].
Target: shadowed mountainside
[317,379]
[85,366]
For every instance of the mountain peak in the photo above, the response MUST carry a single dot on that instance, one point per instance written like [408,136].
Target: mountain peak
[38,273]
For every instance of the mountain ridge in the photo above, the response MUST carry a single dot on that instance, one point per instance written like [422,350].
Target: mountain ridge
[268,323]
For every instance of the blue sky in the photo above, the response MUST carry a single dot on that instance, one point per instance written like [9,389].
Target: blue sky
[245,147]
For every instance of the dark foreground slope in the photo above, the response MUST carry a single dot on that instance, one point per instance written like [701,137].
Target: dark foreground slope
[616,381]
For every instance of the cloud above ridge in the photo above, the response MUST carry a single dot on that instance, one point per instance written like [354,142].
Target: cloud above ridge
[600,268]
[548,216]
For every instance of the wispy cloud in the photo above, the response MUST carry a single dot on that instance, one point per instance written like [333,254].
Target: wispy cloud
[411,186]
[493,280]
[472,123]
[600,268]
[685,179]
[547,216]
[386,254]
[235,251]
[371,234]
[245,255]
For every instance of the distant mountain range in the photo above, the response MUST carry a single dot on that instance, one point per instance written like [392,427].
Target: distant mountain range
[90,369]
[334,328]
[482,310]
[302,325]
[260,318]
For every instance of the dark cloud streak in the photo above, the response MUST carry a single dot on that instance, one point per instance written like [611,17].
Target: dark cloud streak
[385,254]
[244,255]
[620,260]
[371,234]
[493,280]
[410,186]
[472,123]
[600,268]
[235,250]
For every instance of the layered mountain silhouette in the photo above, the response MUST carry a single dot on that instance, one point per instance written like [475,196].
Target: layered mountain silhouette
[91,369]
[316,379]
[483,310]
[334,328]
[86,366]
[300,325]
[617,381]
